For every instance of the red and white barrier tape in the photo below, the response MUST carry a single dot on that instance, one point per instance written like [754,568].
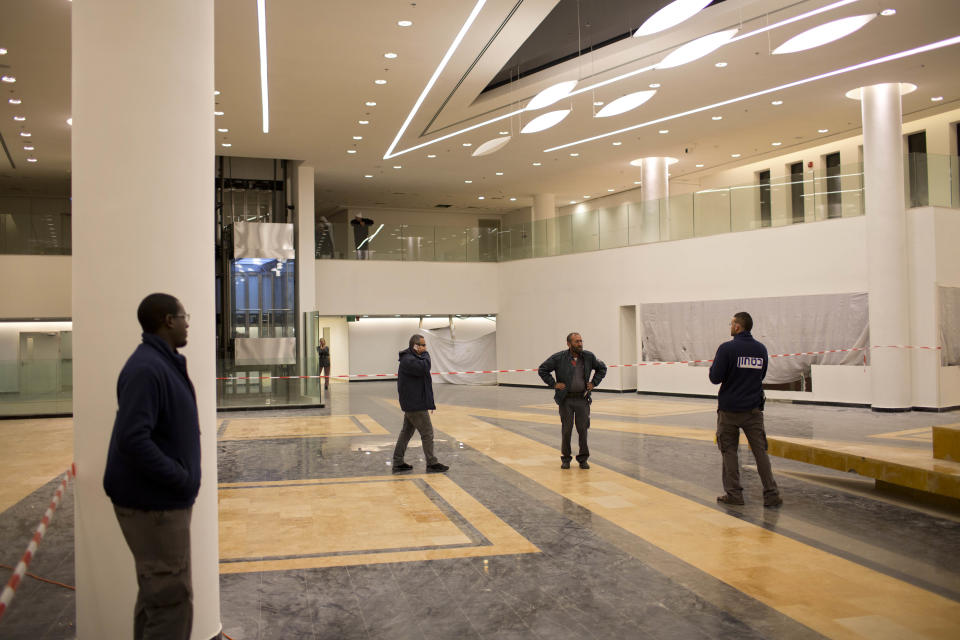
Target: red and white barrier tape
[21,567]
[635,364]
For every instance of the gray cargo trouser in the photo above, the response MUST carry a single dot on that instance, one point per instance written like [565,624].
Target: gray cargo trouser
[160,542]
[574,409]
[729,424]
[415,421]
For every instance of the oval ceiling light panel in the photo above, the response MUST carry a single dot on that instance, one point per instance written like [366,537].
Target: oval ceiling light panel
[625,103]
[545,121]
[550,95]
[824,34]
[491,146]
[696,49]
[672,14]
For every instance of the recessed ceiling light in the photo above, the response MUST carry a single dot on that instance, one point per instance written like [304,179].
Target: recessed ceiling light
[70,121]
[777,103]
[696,49]
[734,155]
[670,15]
[545,121]
[390,55]
[216,92]
[218,113]
[9,79]
[550,95]
[480,198]
[499,173]
[822,130]
[598,103]
[573,202]
[574,155]
[19,118]
[363,121]
[358,137]
[432,155]
[617,143]
[720,65]
[698,166]
[468,181]
[29,147]
[513,199]
[888,12]
[225,144]
[586,197]
[14,100]
[25,134]
[936,99]
[223,130]
[654,85]
[404,23]
[636,181]
[351,150]
[716,117]
[370,103]
[368,176]
[625,103]
[3,52]
[379,82]
[775,144]
[664,130]
[824,34]
[468,144]
[398,166]
[31,159]
[536,164]
[610,190]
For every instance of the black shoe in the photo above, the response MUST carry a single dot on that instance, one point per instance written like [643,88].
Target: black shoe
[775,502]
[726,499]
[565,464]
[584,465]
[403,466]
[436,467]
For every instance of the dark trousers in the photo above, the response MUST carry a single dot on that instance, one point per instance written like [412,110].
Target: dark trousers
[415,421]
[325,375]
[160,542]
[574,410]
[729,424]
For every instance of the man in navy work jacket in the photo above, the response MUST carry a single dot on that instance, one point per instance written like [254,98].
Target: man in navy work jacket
[153,469]
[572,389]
[416,399]
[739,368]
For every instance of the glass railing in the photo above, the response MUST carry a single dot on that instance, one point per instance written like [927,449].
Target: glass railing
[264,386]
[36,387]
[35,225]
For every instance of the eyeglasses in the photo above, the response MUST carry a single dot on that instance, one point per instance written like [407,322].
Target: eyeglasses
[185,316]
[421,344]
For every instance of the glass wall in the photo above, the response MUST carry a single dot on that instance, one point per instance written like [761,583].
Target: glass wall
[35,225]
[36,368]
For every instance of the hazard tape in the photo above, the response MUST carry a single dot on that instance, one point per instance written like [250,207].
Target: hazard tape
[635,364]
[8,591]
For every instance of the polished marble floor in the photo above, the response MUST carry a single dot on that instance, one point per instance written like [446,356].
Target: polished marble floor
[508,545]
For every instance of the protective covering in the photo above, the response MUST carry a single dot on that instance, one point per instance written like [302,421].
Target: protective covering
[446,354]
[950,325]
[679,331]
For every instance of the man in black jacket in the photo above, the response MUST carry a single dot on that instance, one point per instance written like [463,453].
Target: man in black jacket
[739,368]
[572,393]
[153,468]
[415,389]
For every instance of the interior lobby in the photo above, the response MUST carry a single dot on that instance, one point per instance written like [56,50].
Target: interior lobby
[492,175]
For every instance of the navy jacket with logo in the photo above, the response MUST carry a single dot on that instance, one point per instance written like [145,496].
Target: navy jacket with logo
[739,368]
[414,385]
[153,462]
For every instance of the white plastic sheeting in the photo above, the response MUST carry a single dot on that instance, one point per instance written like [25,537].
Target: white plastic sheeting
[446,354]
[682,331]
[950,325]
[263,240]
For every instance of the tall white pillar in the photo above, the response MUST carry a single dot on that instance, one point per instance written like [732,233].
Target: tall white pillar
[887,257]
[143,222]
[306,264]
[544,227]
[655,190]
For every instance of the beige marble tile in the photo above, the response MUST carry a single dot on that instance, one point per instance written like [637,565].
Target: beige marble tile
[32,453]
[298,427]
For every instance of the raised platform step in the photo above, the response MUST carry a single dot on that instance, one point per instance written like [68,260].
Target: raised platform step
[946,442]
[913,468]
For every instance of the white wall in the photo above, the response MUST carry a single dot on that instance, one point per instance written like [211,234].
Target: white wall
[35,286]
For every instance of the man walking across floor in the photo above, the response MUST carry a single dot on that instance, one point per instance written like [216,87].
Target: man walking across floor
[572,386]
[739,368]
[415,389]
[153,469]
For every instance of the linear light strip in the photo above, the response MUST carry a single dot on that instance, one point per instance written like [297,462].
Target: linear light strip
[863,65]
[592,87]
[264,91]
[433,79]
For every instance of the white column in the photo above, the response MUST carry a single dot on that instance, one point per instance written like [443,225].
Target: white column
[143,222]
[656,187]
[306,263]
[544,233]
[887,257]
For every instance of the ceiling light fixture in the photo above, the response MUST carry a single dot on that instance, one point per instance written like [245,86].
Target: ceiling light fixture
[504,133]
[513,199]
[9,79]
[586,197]
[468,181]
[888,12]
[370,103]
[625,103]
[480,198]
[432,155]
[574,155]
[824,34]
[404,23]
[491,146]
[573,202]
[822,130]
[610,190]
[654,85]
[223,130]
[716,117]
[25,134]
[499,173]
[363,122]
[734,155]
[358,137]
[70,121]
[264,91]
[216,92]
[398,166]
[775,144]
[698,166]
[936,98]
[673,14]
[696,49]
[719,65]
[3,52]
[664,131]
[598,103]
[218,113]
[617,143]
[467,144]
[551,95]
[31,159]
[547,120]
[19,118]
[351,150]
[29,147]
[368,176]
[390,55]
[777,103]
[225,144]
[15,101]
[536,164]
[379,82]
[436,74]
